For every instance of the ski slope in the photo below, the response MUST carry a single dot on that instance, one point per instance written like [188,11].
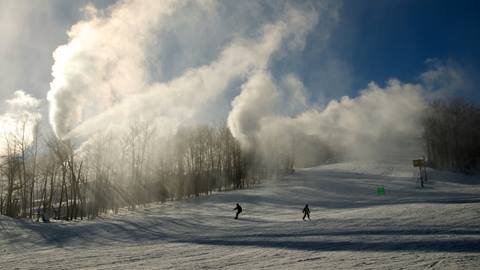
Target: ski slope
[351,228]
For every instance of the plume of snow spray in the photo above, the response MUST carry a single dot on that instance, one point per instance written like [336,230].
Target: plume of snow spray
[379,122]
[19,119]
[104,79]
[101,75]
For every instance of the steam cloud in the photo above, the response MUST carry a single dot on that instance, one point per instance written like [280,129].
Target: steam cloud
[378,123]
[19,119]
[105,78]
[101,75]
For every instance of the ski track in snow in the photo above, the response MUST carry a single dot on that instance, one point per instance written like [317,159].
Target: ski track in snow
[351,228]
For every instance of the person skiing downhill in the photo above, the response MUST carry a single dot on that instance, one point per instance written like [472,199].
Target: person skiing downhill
[306,212]
[239,210]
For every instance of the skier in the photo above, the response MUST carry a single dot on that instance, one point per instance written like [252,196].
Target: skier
[239,210]
[38,214]
[45,217]
[306,212]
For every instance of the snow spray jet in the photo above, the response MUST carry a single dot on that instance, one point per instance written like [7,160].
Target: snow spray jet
[19,119]
[381,123]
[101,77]
[104,60]
[103,81]
[112,93]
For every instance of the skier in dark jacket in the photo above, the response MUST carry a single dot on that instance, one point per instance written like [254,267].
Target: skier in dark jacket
[306,212]
[239,210]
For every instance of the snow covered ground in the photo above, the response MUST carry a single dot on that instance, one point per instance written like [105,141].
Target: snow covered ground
[352,227]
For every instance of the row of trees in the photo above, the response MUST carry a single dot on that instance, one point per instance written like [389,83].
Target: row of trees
[452,135]
[124,169]
[17,182]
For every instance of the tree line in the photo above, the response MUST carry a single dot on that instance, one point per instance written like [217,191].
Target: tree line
[452,135]
[124,169]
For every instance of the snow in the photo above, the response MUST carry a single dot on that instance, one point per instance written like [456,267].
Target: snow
[352,227]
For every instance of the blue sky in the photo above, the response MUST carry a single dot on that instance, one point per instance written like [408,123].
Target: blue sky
[373,40]
[246,63]
[376,40]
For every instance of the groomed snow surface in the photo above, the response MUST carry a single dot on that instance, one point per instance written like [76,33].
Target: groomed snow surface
[351,228]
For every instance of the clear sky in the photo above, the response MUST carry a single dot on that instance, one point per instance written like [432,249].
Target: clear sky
[375,40]
[361,41]
[380,39]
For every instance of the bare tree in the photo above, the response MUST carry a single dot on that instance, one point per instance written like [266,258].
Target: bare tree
[451,135]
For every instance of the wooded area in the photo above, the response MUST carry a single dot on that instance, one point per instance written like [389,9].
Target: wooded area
[452,135]
[139,165]
[115,170]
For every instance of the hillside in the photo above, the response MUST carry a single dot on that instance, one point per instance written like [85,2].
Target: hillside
[352,227]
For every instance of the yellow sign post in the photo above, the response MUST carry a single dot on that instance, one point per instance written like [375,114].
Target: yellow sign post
[418,163]
[421,164]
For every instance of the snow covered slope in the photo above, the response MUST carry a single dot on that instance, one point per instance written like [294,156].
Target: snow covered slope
[437,227]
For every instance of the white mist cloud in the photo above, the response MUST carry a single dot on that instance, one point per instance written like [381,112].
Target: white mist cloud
[116,69]
[445,78]
[18,119]
[256,101]
[372,125]
[380,123]
[102,77]
[30,31]
[103,61]
[295,94]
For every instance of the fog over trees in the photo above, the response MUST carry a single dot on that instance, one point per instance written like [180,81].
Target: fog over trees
[140,165]
[125,170]
[130,109]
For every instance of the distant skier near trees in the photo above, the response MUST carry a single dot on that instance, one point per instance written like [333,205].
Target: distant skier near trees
[306,212]
[239,210]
